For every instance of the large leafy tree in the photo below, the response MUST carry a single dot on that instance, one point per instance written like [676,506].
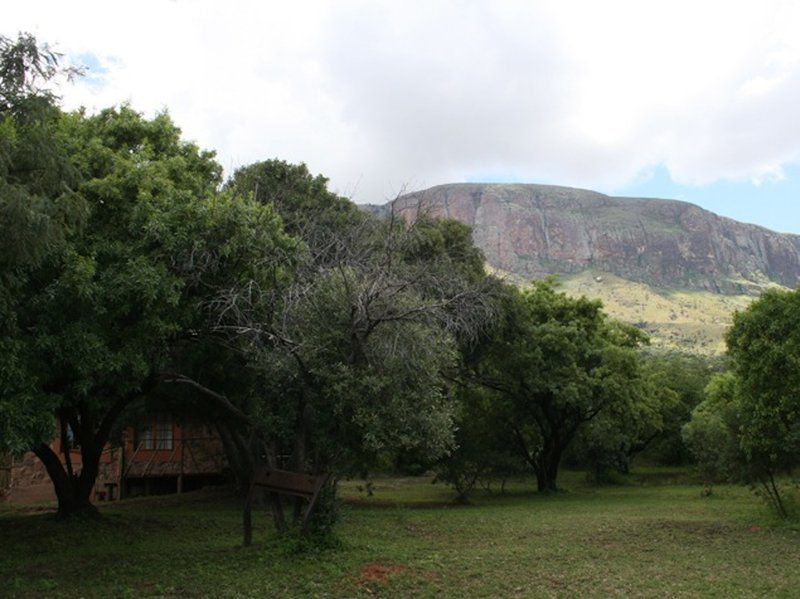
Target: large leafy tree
[308,208]
[482,453]
[40,208]
[764,346]
[713,431]
[756,404]
[104,317]
[350,352]
[684,376]
[556,363]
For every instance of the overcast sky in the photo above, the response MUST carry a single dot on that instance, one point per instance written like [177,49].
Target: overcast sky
[694,100]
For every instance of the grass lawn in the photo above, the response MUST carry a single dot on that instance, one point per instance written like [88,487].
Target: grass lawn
[655,537]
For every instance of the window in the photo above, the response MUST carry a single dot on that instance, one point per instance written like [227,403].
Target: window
[156,433]
[163,428]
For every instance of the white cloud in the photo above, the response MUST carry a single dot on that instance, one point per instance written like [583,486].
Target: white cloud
[379,94]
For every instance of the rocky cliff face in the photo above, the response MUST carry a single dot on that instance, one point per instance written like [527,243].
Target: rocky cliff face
[534,230]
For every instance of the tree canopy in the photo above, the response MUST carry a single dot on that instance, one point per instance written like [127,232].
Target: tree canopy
[556,363]
[748,427]
[99,319]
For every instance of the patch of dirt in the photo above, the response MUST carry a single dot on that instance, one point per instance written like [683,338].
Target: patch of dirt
[376,572]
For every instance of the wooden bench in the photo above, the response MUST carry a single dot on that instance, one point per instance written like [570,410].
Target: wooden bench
[283,482]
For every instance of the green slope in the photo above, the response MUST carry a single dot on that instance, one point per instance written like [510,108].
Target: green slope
[693,321]
[676,319]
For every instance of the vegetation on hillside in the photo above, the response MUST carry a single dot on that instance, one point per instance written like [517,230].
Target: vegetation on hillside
[689,321]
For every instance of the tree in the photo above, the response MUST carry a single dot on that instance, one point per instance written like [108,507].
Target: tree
[40,208]
[352,350]
[104,317]
[556,363]
[39,205]
[307,207]
[712,433]
[611,440]
[749,424]
[764,346]
[481,453]
[686,376]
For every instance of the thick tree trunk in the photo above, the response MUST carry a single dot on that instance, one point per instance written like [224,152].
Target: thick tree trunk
[547,466]
[73,492]
[545,479]
[92,432]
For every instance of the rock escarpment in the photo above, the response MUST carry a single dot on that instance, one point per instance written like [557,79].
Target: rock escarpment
[535,230]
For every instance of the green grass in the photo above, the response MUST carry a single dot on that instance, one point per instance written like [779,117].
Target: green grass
[654,537]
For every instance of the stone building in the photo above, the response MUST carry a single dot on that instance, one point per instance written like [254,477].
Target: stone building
[161,456]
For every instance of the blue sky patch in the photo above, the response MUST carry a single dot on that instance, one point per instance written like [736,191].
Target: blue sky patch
[772,203]
[94,71]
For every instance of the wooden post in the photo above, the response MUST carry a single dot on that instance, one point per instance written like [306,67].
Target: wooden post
[321,482]
[282,482]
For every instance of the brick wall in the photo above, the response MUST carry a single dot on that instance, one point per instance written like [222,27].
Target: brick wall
[196,451]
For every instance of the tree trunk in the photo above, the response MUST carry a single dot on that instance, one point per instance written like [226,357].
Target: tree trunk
[73,492]
[241,466]
[92,431]
[545,480]
[298,460]
[547,467]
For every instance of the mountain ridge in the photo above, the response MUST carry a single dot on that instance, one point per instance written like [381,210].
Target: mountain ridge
[532,230]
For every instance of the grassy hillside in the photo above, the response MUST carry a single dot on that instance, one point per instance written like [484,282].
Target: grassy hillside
[685,320]
[655,538]
[693,321]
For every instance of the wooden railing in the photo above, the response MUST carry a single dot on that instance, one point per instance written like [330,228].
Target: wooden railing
[182,457]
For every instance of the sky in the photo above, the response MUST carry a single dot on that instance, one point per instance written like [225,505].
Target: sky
[698,101]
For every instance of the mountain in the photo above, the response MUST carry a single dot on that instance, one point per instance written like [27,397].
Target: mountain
[669,266]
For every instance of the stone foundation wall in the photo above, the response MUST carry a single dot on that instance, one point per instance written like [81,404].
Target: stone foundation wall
[30,483]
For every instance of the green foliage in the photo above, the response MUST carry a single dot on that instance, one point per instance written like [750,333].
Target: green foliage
[309,210]
[39,206]
[686,376]
[608,443]
[481,453]
[106,310]
[446,237]
[712,433]
[556,364]
[750,422]
[672,386]
[764,345]
[39,210]
[96,322]
[348,354]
